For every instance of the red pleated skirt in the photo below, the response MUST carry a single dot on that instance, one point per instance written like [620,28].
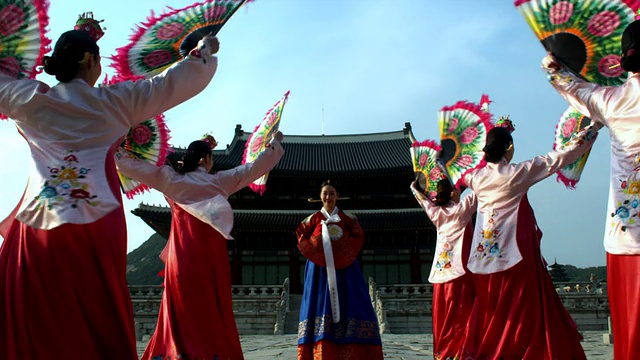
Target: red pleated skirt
[623,284]
[452,308]
[196,318]
[63,292]
[518,313]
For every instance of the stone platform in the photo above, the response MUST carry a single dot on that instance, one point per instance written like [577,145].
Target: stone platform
[396,346]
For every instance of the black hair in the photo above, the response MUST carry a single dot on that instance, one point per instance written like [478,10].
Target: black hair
[197,150]
[498,141]
[69,51]
[329,183]
[631,41]
[443,190]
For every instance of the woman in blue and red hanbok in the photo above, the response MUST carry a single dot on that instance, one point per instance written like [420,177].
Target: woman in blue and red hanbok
[453,291]
[517,311]
[63,289]
[196,318]
[617,108]
[337,320]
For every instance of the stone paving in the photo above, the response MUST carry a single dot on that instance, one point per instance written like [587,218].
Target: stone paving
[395,346]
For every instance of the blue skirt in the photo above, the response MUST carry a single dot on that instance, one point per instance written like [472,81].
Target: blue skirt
[358,322]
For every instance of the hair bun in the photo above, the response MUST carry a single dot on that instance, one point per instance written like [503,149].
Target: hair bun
[50,65]
[631,62]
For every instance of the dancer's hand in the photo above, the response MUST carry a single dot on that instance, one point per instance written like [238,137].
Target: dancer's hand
[278,136]
[213,43]
[550,63]
[207,47]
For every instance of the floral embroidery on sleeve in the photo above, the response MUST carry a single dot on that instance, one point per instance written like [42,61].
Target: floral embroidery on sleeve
[489,248]
[65,186]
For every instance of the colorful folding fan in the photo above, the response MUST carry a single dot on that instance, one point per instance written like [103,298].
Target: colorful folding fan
[424,156]
[23,40]
[163,40]
[583,35]
[463,132]
[149,141]
[571,122]
[261,136]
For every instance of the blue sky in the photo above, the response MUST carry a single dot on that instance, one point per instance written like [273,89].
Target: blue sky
[373,65]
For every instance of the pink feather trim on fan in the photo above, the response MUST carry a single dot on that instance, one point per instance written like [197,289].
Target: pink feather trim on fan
[42,7]
[429,143]
[484,102]
[633,4]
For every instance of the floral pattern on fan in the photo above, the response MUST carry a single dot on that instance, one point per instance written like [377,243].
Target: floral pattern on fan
[463,132]
[148,141]
[583,35]
[259,139]
[424,156]
[163,40]
[571,122]
[23,40]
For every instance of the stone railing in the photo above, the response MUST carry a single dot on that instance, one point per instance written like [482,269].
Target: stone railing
[378,306]
[257,309]
[282,309]
[407,308]
[585,287]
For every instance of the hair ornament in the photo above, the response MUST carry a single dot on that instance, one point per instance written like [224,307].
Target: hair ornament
[210,140]
[87,23]
[505,122]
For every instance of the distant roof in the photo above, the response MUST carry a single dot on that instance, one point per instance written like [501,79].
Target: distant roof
[159,218]
[328,154]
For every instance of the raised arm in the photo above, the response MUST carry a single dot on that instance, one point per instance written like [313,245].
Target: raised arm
[594,101]
[235,179]
[429,207]
[160,178]
[539,168]
[144,99]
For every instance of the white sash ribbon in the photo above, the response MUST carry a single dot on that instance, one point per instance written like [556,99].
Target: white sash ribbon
[331,267]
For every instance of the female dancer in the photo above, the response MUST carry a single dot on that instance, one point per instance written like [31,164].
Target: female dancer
[453,292]
[618,109]
[63,291]
[518,312]
[196,315]
[337,320]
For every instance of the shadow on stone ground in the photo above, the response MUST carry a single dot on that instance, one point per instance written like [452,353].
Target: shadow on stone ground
[395,346]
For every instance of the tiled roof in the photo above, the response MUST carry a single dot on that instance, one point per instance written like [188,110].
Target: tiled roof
[159,218]
[330,154]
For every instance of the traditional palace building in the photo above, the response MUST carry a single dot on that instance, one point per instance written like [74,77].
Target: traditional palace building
[373,170]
